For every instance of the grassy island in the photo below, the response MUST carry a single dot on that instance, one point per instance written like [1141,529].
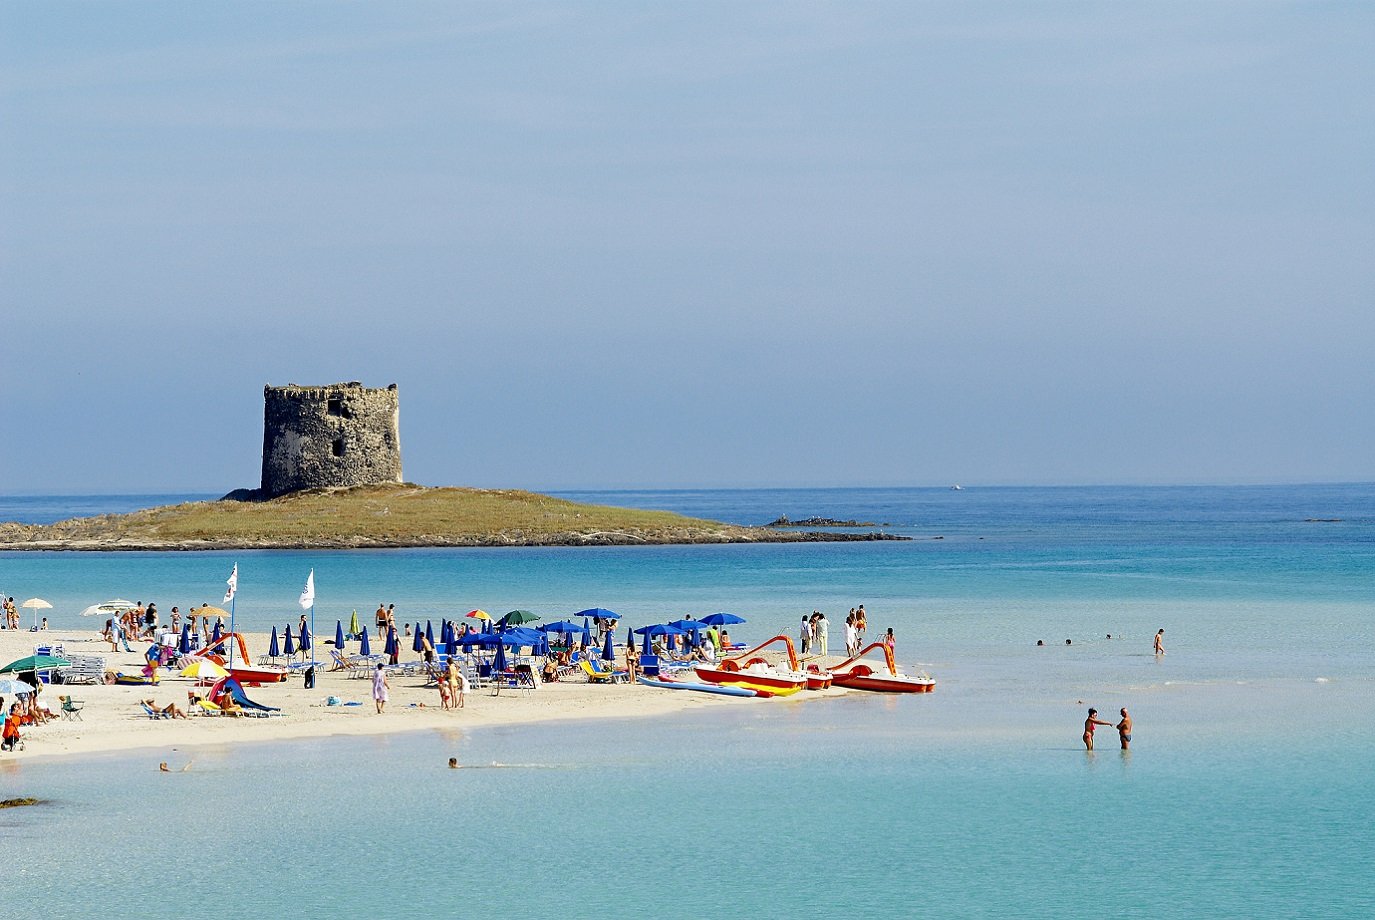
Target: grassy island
[394,515]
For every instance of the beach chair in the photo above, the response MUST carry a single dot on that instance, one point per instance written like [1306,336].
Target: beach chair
[153,713]
[600,675]
[345,664]
[71,709]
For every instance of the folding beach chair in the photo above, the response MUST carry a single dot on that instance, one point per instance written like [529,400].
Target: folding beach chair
[153,713]
[71,709]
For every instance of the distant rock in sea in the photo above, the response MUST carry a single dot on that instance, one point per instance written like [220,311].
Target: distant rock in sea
[783,521]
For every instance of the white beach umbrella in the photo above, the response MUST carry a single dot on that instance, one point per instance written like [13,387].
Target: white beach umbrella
[204,669]
[108,608]
[36,604]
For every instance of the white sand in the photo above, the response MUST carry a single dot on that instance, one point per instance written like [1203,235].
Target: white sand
[112,719]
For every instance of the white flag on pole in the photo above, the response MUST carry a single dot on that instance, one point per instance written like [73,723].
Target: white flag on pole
[308,592]
[233,584]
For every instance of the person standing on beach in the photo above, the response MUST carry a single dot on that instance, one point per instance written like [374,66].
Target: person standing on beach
[380,688]
[804,635]
[823,630]
[1124,730]
[861,624]
[888,640]
[381,618]
[851,637]
[1090,724]
[1160,641]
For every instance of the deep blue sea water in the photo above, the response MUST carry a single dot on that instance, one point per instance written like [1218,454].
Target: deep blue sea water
[1248,792]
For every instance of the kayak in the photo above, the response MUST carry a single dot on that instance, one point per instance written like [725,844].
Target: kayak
[663,684]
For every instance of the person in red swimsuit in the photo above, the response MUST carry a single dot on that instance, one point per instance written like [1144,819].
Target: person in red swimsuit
[1090,724]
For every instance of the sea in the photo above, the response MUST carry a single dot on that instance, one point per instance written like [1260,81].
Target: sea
[1248,791]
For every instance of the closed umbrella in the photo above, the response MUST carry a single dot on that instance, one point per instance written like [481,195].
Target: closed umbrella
[419,642]
[273,649]
[353,625]
[215,636]
[184,643]
[364,648]
[608,654]
[499,662]
[289,646]
[446,631]
[451,644]
[339,634]
[390,648]
[586,634]
[305,639]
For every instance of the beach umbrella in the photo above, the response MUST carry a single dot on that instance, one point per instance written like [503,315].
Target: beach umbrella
[608,654]
[689,624]
[499,662]
[722,619]
[273,649]
[390,648]
[35,663]
[451,644]
[36,604]
[559,626]
[11,687]
[305,639]
[364,648]
[215,636]
[446,632]
[208,611]
[339,634]
[353,625]
[478,615]
[204,669]
[419,642]
[586,634]
[600,613]
[429,632]
[289,645]
[108,608]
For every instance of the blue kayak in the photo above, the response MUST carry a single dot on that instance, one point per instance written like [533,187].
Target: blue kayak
[701,688]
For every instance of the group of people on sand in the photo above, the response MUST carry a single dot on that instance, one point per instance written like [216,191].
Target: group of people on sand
[814,634]
[24,711]
[10,620]
[452,683]
[141,622]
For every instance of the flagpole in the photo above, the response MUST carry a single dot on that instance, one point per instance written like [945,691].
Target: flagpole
[313,634]
[232,602]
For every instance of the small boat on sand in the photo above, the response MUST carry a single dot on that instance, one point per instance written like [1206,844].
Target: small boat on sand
[753,671]
[880,675]
[666,683]
[242,669]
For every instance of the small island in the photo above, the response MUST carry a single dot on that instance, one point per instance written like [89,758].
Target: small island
[391,515]
[783,521]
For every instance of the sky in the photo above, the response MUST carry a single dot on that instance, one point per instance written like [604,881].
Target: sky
[618,245]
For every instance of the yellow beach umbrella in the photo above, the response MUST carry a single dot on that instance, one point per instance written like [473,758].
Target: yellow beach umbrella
[479,614]
[204,669]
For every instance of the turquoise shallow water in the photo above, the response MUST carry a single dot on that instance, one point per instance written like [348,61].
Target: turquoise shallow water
[1248,791]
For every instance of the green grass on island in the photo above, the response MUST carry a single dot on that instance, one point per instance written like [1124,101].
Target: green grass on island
[381,516]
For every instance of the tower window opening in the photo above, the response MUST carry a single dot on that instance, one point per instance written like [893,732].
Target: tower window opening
[337,448]
[335,406]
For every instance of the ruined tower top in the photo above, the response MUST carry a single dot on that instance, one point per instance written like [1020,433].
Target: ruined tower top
[343,434]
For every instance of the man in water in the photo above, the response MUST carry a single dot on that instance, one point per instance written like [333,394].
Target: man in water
[1124,730]
[1160,641]
[1091,723]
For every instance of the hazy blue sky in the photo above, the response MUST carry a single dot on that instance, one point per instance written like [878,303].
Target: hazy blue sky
[693,244]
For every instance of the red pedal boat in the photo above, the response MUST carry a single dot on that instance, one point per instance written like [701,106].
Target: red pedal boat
[243,670]
[882,677]
[752,671]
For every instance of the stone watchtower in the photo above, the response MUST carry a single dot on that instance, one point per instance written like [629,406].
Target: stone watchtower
[338,435]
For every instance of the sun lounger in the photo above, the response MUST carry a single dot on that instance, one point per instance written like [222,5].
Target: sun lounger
[153,713]
[599,675]
[85,669]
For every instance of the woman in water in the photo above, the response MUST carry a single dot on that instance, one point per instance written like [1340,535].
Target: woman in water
[1090,724]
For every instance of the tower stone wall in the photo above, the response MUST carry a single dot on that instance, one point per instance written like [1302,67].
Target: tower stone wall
[343,434]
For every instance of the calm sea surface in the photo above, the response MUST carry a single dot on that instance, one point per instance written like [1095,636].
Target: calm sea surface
[1248,791]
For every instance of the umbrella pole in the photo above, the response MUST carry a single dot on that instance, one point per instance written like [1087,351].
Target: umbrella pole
[312,632]
[233,601]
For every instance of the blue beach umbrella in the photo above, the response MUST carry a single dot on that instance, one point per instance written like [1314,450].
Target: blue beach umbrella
[184,644]
[608,653]
[289,646]
[499,662]
[451,644]
[273,649]
[419,642]
[339,634]
[429,632]
[561,626]
[722,619]
[629,641]
[599,612]
[390,648]
[215,636]
[364,647]
[689,624]
[305,639]
[586,633]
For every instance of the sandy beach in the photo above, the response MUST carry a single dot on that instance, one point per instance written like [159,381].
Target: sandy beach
[113,720]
